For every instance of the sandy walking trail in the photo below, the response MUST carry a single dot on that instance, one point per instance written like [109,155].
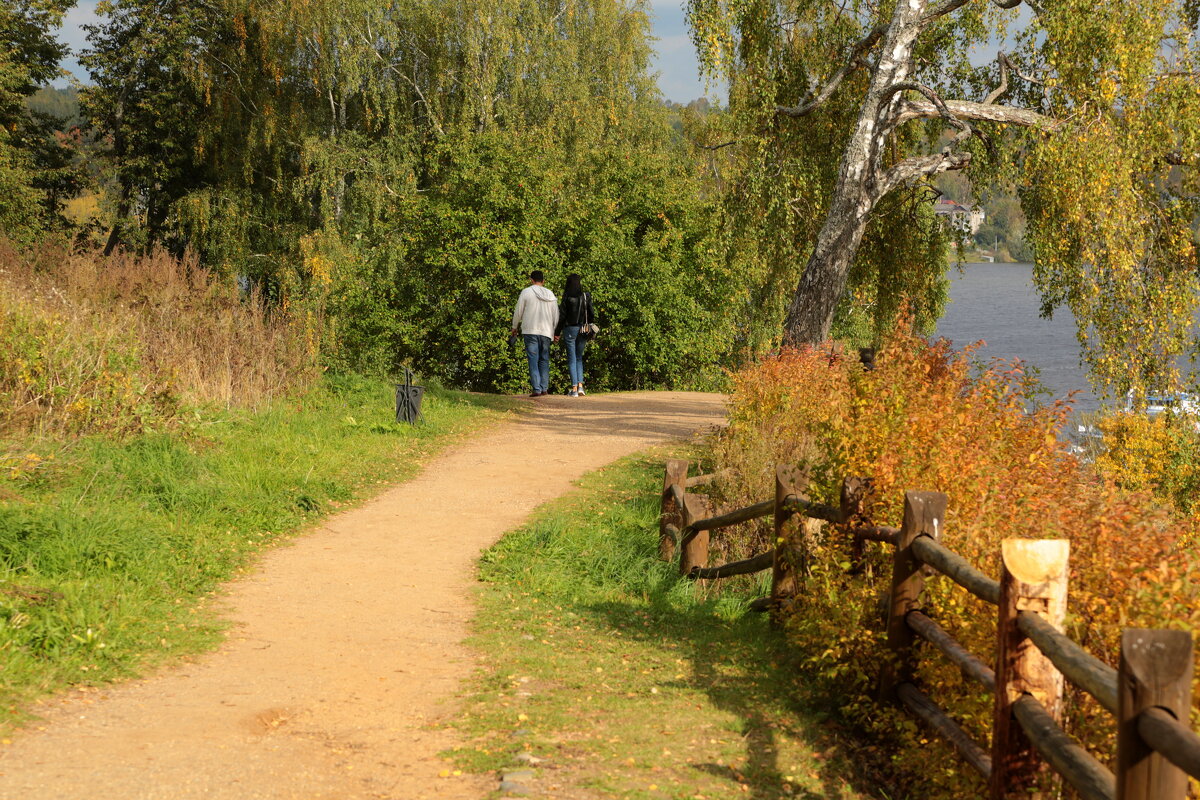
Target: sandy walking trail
[346,646]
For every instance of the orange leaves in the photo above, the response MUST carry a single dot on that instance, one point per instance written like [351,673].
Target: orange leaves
[925,418]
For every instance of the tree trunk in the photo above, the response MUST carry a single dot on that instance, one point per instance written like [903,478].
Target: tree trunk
[810,315]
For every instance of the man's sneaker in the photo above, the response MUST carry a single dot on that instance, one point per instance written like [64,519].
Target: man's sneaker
[572,393]
[581,392]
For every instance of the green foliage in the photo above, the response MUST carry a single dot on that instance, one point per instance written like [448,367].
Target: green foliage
[35,169]
[397,170]
[778,174]
[1107,175]
[109,549]
[499,206]
[61,105]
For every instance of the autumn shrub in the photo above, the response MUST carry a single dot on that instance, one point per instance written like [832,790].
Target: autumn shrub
[1160,454]
[118,343]
[927,419]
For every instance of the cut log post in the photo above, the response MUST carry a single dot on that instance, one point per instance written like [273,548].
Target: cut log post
[924,515]
[789,481]
[1155,672]
[854,495]
[1033,578]
[695,551]
[672,515]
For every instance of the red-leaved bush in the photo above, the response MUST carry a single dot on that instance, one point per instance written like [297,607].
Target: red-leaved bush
[925,418]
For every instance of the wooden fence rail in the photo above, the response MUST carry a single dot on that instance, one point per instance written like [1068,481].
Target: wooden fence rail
[1149,695]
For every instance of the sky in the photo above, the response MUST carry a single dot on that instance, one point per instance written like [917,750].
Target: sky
[675,58]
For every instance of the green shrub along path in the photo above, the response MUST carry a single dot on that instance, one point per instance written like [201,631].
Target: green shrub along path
[345,647]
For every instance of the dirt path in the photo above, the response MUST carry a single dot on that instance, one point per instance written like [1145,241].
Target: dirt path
[346,645]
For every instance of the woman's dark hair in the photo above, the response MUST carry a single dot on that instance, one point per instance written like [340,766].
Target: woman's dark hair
[574,286]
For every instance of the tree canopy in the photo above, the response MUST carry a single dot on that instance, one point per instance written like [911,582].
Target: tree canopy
[35,170]
[396,169]
[1093,116]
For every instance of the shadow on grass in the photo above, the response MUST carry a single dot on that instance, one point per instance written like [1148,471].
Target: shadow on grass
[743,668]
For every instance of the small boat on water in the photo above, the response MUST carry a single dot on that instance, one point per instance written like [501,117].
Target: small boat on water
[1086,440]
[1157,403]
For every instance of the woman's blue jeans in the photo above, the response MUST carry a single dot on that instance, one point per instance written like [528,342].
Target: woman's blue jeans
[576,345]
[537,350]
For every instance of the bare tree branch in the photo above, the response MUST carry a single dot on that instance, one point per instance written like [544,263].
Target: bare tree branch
[1002,89]
[966,109]
[950,6]
[853,61]
[717,146]
[919,167]
[1177,159]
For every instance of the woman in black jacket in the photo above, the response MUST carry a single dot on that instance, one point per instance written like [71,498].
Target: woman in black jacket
[573,313]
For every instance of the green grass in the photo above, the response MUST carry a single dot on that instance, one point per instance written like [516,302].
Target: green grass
[109,550]
[629,681]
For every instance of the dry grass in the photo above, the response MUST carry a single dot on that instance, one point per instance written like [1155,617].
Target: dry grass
[88,342]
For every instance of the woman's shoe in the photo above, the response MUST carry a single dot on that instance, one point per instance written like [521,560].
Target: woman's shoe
[581,392]
[572,393]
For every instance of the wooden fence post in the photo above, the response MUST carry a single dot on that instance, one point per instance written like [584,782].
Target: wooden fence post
[854,495]
[788,480]
[924,515]
[695,552]
[1033,578]
[1156,670]
[675,475]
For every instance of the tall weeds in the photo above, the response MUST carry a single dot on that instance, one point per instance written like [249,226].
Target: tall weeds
[121,343]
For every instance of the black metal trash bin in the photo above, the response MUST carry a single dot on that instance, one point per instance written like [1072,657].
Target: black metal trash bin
[408,399]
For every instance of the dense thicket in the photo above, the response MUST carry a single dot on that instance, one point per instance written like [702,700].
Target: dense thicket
[399,169]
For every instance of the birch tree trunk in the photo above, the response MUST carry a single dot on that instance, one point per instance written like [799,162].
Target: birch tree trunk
[810,314]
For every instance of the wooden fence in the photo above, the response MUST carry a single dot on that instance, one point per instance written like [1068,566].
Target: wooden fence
[1149,695]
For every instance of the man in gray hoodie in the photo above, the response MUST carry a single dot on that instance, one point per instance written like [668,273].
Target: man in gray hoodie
[535,317]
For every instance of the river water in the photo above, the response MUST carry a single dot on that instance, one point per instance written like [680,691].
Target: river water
[998,304]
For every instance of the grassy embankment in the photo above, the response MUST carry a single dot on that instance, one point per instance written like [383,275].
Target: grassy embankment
[110,548]
[158,426]
[630,682]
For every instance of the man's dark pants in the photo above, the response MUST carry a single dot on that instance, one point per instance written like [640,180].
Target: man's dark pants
[537,348]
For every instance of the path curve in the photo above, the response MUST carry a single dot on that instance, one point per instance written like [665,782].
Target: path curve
[346,647]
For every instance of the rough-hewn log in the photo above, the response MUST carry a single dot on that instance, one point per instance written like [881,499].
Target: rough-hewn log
[734,517]
[924,513]
[705,480]
[1033,577]
[957,569]
[818,511]
[790,483]
[1156,673]
[964,659]
[1091,779]
[1079,666]
[1172,738]
[936,718]
[745,567]
[877,533]
[761,605]
[672,507]
[853,497]
[693,550]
